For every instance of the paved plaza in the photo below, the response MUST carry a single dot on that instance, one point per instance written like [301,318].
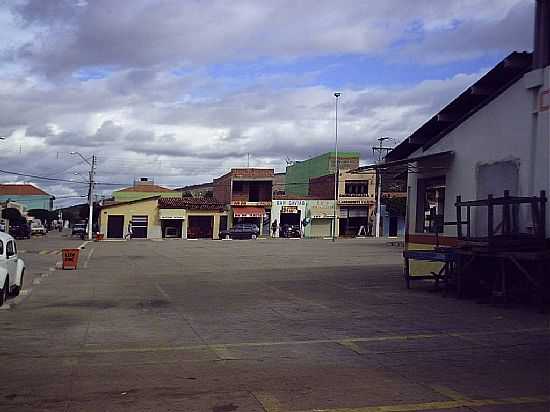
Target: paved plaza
[265,325]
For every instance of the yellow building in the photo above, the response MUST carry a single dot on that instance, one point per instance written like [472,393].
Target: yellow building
[159,217]
[142,213]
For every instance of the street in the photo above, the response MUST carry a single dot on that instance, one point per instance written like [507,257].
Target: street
[265,325]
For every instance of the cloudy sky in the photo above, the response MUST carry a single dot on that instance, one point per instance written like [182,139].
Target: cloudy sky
[180,91]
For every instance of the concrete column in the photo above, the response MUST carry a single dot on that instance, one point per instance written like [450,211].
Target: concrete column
[184,227]
[216,227]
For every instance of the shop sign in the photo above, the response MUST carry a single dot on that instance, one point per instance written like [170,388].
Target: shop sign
[245,203]
[354,201]
[322,212]
[289,202]
[174,214]
[289,209]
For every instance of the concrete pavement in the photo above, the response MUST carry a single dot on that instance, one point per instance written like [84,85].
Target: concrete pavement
[277,325]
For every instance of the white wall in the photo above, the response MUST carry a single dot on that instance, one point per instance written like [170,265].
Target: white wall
[500,131]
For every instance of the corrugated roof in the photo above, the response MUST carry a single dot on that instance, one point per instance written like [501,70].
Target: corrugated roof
[21,190]
[146,189]
[477,96]
[193,203]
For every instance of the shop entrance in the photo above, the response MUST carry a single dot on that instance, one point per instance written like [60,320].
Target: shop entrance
[115,226]
[171,228]
[290,224]
[351,220]
[200,227]
[139,227]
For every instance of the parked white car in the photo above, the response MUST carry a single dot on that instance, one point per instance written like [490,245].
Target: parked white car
[37,228]
[12,269]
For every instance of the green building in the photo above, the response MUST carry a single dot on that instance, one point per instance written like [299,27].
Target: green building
[298,175]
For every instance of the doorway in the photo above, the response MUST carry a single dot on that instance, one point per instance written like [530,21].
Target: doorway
[139,227]
[115,226]
[393,226]
[200,227]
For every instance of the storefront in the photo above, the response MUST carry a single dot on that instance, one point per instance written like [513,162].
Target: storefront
[191,218]
[249,214]
[143,214]
[171,221]
[320,218]
[287,213]
[354,221]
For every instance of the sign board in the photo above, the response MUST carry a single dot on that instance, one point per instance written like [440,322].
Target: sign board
[289,209]
[289,202]
[319,212]
[175,214]
[245,203]
[70,258]
[355,201]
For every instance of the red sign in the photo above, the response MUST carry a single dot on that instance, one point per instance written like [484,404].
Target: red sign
[70,258]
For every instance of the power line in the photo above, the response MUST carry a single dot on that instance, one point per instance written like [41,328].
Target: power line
[53,179]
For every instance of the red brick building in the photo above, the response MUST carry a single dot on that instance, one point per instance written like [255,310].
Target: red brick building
[249,193]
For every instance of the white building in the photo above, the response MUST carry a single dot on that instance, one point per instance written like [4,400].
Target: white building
[493,137]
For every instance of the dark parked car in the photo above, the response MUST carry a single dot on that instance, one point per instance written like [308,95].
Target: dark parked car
[80,229]
[241,231]
[20,231]
[290,231]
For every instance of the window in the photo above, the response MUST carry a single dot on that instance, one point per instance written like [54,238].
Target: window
[10,249]
[430,210]
[357,188]
[238,186]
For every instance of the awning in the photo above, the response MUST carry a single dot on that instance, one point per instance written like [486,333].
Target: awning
[249,212]
[176,214]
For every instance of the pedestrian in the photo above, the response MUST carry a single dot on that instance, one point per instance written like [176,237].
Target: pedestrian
[274,227]
[129,233]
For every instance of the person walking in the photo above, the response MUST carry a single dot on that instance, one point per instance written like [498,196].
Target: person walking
[274,227]
[129,233]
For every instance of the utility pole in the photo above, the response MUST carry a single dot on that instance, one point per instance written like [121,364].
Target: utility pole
[380,148]
[91,199]
[336,173]
[90,191]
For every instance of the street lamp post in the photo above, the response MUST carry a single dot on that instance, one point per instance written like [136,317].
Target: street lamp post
[336,173]
[90,192]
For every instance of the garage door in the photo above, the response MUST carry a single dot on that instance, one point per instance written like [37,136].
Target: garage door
[321,228]
[115,226]
[139,227]
[200,227]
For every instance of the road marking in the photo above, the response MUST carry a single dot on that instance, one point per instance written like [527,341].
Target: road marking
[388,338]
[449,393]
[430,406]
[162,291]
[88,258]
[351,345]
[222,352]
[83,245]
[268,402]
[43,252]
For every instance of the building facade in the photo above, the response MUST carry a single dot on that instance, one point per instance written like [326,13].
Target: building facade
[299,174]
[313,216]
[356,200]
[248,192]
[160,217]
[29,195]
[491,139]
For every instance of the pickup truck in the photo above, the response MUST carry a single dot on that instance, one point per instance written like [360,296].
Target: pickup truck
[12,269]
